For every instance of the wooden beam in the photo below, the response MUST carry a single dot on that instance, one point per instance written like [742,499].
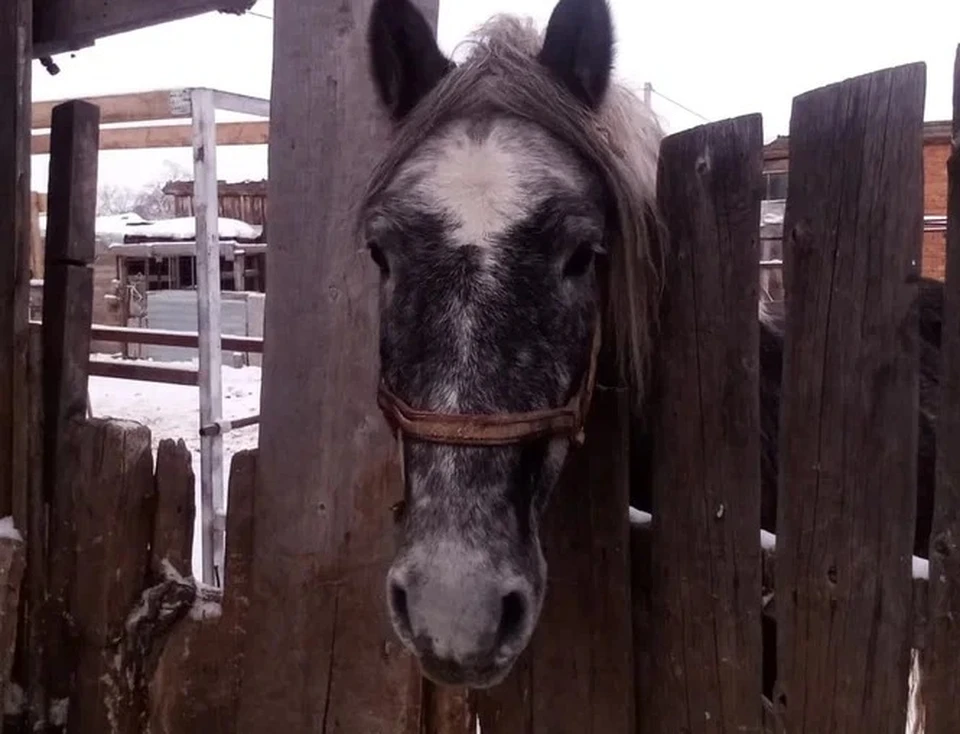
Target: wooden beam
[167,136]
[242,103]
[165,338]
[243,188]
[320,653]
[848,457]
[942,687]
[163,104]
[65,25]
[143,372]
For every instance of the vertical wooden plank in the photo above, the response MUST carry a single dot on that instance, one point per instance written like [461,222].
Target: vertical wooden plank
[206,211]
[705,456]
[320,653]
[848,456]
[197,656]
[448,710]
[112,484]
[176,508]
[16,22]
[577,674]
[942,685]
[32,641]
[238,561]
[641,606]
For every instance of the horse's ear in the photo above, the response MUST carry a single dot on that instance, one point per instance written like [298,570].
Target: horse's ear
[578,48]
[404,56]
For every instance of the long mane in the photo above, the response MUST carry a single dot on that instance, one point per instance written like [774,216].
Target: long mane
[620,141]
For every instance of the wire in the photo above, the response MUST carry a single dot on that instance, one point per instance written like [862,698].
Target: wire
[255,14]
[678,104]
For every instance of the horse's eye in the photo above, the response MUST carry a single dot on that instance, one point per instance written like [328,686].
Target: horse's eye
[579,261]
[376,253]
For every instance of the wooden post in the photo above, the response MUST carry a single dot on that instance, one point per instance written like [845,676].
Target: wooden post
[848,441]
[577,674]
[320,654]
[68,284]
[16,34]
[67,317]
[239,266]
[205,206]
[15,58]
[942,656]
[704,634]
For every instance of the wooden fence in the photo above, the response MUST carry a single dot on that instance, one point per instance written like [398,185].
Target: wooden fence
[648,627]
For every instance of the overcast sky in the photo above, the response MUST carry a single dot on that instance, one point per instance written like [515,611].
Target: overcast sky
[716,58]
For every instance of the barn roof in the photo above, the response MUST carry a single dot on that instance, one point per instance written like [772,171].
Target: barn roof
[67,25]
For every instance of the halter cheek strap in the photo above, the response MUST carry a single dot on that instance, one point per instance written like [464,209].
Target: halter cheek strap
[496,429]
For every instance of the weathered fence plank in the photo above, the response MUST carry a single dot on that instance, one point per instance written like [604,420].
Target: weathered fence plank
[448,711]
[705,474]
[577,675]
[32,643]
[641,607]
[176,508]
[848,452]
[320,654]
[942,656]
[112,486]
[238,560]
[204,651]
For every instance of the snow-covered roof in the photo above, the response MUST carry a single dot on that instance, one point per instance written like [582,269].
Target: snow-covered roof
[131,227]
[185,229]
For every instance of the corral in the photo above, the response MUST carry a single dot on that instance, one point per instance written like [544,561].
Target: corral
[668,608]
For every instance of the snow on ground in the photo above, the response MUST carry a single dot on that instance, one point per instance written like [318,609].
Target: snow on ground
[172,411]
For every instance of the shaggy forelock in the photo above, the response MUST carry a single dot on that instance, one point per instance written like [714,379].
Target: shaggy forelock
[619,143]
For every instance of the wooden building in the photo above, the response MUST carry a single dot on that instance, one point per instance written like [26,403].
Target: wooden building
[936,152]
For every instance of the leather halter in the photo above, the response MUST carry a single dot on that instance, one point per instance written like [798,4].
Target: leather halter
[496,429]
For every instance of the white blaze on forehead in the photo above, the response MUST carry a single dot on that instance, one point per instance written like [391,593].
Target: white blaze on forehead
[487,183]
[480,183]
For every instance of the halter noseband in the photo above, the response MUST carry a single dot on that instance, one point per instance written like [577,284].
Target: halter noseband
[497,429]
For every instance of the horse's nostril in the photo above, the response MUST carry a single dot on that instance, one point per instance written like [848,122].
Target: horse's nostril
[512,611]
[398,604]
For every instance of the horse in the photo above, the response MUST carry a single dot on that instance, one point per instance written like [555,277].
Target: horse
[514,225]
